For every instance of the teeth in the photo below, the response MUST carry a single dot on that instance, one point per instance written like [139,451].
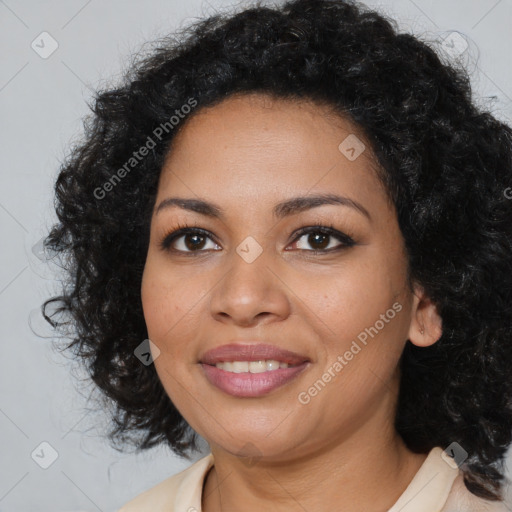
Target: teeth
[272,365]
[257,366]
[251,366]
[240,366]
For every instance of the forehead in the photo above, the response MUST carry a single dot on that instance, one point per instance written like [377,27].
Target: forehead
[252,145]
[259,118]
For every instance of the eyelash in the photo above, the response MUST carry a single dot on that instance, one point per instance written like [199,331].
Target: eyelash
[174,234]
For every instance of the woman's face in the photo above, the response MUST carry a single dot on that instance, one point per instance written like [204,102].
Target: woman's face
[252,278]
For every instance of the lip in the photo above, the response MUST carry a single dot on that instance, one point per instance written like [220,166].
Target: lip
[251,385]
[246,384]
[250,352]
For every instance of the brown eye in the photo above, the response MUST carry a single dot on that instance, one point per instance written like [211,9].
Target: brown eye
[193,241]
[187,240]
[323,239]
[320,239]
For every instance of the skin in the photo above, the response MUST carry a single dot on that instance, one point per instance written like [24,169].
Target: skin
[340,451]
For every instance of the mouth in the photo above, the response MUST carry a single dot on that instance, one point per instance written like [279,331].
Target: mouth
[268,365]
[251,370]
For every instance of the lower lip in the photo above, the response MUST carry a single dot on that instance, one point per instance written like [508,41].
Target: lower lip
[248,384]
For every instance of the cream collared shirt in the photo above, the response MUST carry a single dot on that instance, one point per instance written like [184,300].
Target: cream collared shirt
[436,487]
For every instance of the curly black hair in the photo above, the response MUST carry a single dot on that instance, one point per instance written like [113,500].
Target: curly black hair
[445,164]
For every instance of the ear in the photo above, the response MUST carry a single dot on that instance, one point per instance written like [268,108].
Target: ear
[426,323]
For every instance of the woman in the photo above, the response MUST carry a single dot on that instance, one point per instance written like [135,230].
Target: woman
[289,232]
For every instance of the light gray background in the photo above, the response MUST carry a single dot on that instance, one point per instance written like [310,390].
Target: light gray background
[42,102]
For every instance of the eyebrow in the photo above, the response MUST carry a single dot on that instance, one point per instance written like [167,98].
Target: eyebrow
[284,209]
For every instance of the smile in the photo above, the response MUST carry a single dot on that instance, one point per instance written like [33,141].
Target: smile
[261,366]
[240,380]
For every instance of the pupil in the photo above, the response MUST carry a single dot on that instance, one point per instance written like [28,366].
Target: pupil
[316,236]
[193,246]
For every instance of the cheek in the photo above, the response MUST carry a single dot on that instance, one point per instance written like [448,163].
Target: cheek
[360,314]
[172,308]
[350,300]
[161,308]
[168,313]
[360,321]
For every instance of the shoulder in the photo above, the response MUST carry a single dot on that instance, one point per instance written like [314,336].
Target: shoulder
[182,489]
[438,486]
[461,499]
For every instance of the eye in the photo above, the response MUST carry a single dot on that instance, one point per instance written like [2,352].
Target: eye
[193,239]
[318,238]
[190,239]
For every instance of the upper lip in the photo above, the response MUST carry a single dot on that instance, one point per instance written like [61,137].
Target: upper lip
[250,352]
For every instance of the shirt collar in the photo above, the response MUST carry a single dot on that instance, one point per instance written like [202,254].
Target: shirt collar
[430,487]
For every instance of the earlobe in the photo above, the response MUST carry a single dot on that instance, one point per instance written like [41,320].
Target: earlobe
[426,324]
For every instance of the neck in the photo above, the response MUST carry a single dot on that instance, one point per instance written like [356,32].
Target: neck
[367,471]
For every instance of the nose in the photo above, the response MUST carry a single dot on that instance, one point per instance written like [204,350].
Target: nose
[250,293]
